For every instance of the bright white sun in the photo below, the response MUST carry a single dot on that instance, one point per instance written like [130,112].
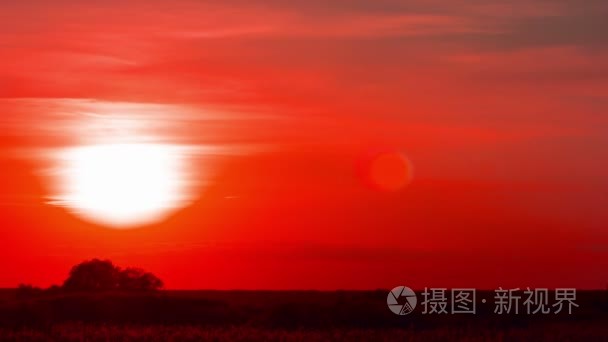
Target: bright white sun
[122,185]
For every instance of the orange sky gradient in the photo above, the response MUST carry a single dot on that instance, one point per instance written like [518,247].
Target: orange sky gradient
[496,109]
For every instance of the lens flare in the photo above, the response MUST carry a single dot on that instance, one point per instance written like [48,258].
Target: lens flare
[390,171]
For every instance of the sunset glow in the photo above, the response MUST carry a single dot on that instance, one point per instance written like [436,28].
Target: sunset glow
[306,144]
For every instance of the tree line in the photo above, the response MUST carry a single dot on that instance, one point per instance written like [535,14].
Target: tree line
[101,275]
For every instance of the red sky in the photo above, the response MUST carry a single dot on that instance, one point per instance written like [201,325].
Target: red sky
[499,107]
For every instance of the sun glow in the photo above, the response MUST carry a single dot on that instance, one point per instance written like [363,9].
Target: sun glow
[122,185]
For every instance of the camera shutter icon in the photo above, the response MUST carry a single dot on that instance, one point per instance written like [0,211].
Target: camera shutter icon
[401,300]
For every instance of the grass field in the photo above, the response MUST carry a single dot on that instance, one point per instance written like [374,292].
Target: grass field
[274,316]
[581,331]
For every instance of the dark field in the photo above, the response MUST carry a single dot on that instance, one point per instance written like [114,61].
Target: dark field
[278,316]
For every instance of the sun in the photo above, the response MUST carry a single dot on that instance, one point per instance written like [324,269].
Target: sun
[122,185]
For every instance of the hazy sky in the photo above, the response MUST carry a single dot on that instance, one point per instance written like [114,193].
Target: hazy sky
[500,106]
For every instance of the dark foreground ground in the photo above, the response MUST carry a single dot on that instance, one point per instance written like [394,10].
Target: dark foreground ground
[278,316]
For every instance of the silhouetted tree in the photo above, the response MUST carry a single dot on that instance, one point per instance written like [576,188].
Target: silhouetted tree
[103,275]
[137,279]
[92,275]
[53,289]
[27,290]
